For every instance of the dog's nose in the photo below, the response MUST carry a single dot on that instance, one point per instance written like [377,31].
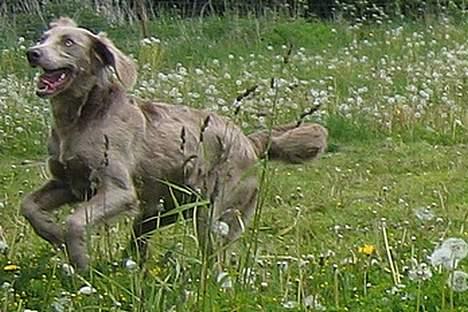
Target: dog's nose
[33,56]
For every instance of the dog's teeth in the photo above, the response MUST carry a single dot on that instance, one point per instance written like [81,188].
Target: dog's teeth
[62,76]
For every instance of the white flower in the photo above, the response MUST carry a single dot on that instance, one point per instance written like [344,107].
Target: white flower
[396,289]
[458,281]
[61,304]
[249,275]
[224,280]
[155,40]
[29,310]
[424,214]
[5,286]
[3,246]
[130,265]
[220,228]
[289,304]
[312,302]
[420,272]
[68,269]
[87,290]
[282,265]
[145,41]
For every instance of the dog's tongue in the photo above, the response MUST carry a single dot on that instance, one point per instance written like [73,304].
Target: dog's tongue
[50,80]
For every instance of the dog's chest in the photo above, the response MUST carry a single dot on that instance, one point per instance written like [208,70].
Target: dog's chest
[80,163]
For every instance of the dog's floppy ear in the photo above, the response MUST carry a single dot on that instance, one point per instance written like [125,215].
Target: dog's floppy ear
[63,21]
[109,55]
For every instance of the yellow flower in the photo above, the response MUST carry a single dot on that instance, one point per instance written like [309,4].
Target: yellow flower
[155,271]
[11,267]
[367,249]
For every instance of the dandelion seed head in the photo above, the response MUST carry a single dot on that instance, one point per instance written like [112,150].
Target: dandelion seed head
[424,214]
[220,228]
[443,256]
[457,246]
[312,302]
[458,281]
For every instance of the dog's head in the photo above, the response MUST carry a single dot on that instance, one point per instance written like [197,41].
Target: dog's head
[74,58]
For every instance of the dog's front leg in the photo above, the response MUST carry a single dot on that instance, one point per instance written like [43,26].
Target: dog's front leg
[114,196]
[37,205]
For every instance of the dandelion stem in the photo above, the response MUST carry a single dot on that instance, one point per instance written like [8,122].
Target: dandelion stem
[337,293]
[418,297]
[396,278]
[365,283]
[452,279]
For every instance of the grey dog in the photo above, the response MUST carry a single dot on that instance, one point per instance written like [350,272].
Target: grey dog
[111,153]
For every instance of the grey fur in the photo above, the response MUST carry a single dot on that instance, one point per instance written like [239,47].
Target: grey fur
[110,153]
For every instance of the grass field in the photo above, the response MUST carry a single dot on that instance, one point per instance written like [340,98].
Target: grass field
[352,231]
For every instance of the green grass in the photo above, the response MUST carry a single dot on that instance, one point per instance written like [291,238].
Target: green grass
[387,158]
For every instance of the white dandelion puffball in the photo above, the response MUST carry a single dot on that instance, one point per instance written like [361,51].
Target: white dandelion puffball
[458,281]
[220,228]
[450,252]
[443,256]
[457,246]
[424,214]
[312,302]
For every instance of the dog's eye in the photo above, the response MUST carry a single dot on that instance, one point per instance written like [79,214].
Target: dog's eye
[68,42]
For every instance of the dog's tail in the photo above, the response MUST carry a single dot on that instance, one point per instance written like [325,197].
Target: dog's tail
[291,143]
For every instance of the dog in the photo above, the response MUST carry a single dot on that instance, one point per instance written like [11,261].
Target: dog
[111,153]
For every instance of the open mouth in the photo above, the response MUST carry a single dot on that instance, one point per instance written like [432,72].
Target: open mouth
[53,81]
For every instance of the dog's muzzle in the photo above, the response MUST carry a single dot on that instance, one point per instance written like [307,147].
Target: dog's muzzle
[34,56]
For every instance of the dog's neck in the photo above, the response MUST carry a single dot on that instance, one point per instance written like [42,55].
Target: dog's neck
[71,110]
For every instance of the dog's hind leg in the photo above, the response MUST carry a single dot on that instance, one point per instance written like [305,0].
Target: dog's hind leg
[239,207]
[144,225]
[231,211]
[37,205]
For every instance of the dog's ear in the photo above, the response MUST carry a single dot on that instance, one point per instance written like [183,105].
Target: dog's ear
[109,55]
[63,21]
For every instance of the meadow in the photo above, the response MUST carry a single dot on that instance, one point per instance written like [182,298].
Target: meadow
[379,223]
